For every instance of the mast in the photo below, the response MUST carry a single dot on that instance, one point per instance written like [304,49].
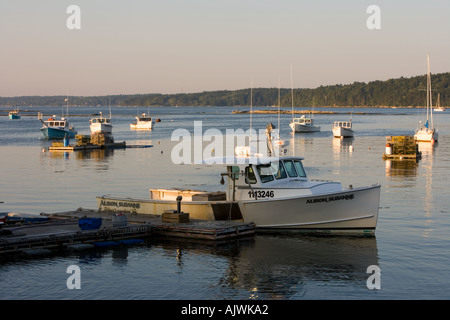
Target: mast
[251,106]
[292,95]
[430,103]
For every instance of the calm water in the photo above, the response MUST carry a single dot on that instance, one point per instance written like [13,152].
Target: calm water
[411,246]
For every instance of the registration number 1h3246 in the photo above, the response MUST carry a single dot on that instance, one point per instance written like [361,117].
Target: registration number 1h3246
[261,194]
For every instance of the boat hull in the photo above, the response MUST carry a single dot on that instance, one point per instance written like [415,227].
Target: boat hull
[101,128]
[426,135]
[202,210]
[296,127]
[353,211]
[14,116]
[141,126]
[54,133]
[339,132]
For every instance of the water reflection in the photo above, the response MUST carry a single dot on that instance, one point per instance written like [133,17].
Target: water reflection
[342,147]
[277,267]
[402,168]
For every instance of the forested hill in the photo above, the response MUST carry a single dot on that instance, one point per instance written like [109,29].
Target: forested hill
[400,92]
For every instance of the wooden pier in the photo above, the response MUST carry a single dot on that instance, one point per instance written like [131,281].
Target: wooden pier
[63,232]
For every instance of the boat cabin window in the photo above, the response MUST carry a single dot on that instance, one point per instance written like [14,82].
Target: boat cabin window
[280,172]
[249,175]
[268,171]
[265,172]
[290,168]
[299,168]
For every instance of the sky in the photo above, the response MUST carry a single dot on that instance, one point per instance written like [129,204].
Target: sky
[175,46]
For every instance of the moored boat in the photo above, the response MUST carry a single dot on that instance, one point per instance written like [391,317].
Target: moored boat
[100,125]
[342,129]
[272,192]
[13,115]
[142,122]
[303,124]
[426,132]
[53,128]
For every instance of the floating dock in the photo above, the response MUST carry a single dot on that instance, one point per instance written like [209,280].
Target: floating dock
[193,229]
[63,232]
[402,148]
[92,142]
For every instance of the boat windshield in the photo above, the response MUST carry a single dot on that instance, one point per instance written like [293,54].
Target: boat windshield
[269,172]
[300,169]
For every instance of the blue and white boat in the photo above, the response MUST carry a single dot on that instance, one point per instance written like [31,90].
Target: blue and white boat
[14,114]
[57,129]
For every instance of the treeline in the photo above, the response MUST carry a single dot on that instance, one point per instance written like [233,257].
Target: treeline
[400,92]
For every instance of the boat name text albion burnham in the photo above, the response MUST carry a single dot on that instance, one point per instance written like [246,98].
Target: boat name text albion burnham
[121,204]
[329,199]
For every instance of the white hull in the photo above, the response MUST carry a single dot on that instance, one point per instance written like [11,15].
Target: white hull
[339,132]
[297,127]
[353,211]
[142,125]
[349,211]
[143,122]
[426,135]
[101,128]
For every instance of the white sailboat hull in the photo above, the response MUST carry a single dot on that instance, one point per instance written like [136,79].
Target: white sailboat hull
[426,135]
[349,211]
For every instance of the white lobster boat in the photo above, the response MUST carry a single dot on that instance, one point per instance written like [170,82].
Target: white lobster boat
[303,124]
[342,129]
[143,122]
[100,125]
[272,192]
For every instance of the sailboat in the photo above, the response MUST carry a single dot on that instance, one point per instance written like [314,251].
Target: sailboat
[426,131]
[438,105]
[302,124]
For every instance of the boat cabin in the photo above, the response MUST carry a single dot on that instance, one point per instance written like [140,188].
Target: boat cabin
[343,124]
[56,123]
[303,121]
[100,120]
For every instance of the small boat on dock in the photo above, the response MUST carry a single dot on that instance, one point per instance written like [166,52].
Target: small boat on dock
[142,122]
[342,129]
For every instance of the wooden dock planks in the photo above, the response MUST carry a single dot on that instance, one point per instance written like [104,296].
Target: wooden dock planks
[64,232]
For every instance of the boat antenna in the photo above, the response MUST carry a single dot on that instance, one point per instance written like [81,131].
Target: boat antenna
[278,107]
[251,105]
[292,95]
[430,94]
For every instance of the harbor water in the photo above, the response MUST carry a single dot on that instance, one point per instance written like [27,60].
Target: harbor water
[410,246]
